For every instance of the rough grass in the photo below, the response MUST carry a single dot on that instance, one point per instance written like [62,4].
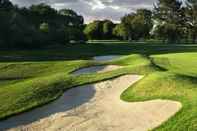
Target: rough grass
[177,83]
[32,78]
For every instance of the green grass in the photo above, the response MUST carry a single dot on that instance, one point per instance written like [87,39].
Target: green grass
[26,85]
[179,63]
[32,78]
[177,83]
[173,87]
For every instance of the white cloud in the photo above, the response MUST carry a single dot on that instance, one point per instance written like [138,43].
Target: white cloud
[96,5]
[95,9]
[115,7]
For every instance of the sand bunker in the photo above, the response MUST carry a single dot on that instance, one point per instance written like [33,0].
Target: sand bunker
[96,69]
[105,111]
[106,58]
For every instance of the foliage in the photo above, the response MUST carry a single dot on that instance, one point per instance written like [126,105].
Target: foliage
[98,30]
[168,31]
[191,14]
[44,27]
[120,31]
[93,30]
[171,18]
[37,26]
[136,25]
[108,27]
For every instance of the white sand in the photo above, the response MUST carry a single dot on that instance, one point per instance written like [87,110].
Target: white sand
[106,112]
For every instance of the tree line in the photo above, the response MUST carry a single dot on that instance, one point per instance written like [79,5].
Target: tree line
[38,26]
[41,25]
[169,21]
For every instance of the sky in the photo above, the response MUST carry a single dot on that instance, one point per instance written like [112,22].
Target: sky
[94,9]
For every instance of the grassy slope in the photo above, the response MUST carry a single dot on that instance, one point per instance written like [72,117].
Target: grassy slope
[179,63]
[178,83]
[41,82]
[32,78]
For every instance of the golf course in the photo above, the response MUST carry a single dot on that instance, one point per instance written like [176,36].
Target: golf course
[98,65]
[30,80]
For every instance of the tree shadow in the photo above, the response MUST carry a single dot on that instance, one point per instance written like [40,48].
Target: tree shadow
[86,52]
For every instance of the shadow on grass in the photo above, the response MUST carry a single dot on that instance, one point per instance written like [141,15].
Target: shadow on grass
[87,51]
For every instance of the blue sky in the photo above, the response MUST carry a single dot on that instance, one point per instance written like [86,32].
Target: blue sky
[95,9]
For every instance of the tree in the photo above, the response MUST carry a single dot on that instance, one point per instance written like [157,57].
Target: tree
[14,28]
[56,24]
[94,30]
[100,30]
[145,21]
[44,27]
[74,34]
[71,17]
[126,22]
[137,25]
[120,31]
[192,19]
[5,5]
[169,32]
[170,16]
[38,25]
[43,10]
[21,33]
[108,27]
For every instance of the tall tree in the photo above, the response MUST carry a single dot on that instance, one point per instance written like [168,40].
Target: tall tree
[5,5]
[170,14]
[145,20]
[71,17]
[108,27]
[168,11]
[137,25]
[100,30]
[120,32]
[94,30]
[38,25]
[192,19]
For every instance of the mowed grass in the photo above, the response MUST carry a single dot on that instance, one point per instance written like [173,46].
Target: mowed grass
[32,78]
[178,82]
[26,85]
[179,63]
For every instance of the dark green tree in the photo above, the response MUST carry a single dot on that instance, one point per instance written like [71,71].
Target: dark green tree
[120,32]
[108,27]
[170,14]
[137,25]
[6,5]
[38,25]
[191,13]
[71,17]
[93,30]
